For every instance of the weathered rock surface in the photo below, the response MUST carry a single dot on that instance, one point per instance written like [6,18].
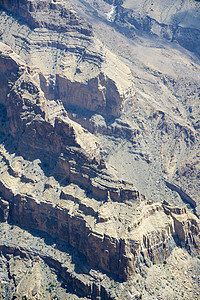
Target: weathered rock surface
[94,136]
[164,108]
[74,70]
[86,223]
[4,209]
[178,24]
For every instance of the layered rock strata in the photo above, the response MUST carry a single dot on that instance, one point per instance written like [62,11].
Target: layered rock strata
[96,219]
[156,104]
[107,234]
[85,282]
[165,105]
[77,70]
[54,176]
[178,24]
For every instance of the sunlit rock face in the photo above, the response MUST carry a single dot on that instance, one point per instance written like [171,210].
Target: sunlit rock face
[99,149]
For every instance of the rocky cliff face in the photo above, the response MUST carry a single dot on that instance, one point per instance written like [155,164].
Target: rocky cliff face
[89,155]
[96,219]
[163,106]
[73,71]
[179,23]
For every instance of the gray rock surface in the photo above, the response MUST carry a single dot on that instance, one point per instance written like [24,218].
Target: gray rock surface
[99,148]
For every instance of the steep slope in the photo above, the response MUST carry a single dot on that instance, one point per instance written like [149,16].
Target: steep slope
[54,38]
[99,92]
[49,182]
[165,105]
[99,144]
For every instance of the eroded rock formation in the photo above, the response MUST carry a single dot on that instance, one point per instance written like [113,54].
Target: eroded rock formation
[84,144]
[98,224]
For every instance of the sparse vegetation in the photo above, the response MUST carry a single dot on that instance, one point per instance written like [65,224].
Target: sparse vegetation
[49,289]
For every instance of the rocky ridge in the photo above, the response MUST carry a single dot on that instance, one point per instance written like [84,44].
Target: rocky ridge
[55,174]
[99,224]
[164,108]
[176,121]
[30,261]
[74,67]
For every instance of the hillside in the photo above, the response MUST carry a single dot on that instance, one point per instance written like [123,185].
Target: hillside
[99,149]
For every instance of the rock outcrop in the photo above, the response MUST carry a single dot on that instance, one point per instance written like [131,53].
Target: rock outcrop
[186,226]
[4,210]
[99,224]
[74,71]
[86,134]
[179,24]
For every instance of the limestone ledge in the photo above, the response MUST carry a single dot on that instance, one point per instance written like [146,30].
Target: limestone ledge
[186,224]
[86,75]
[73,151]
[107,233]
